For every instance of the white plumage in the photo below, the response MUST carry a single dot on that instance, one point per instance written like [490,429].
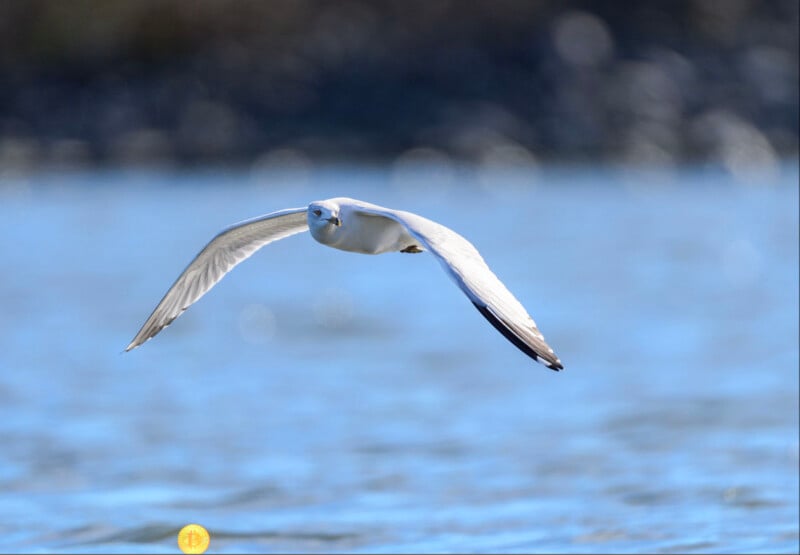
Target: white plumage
[356,226]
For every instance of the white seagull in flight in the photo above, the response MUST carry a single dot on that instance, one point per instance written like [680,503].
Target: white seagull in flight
[356,226]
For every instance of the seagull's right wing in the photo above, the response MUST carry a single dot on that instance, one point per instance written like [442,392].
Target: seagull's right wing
[230,247]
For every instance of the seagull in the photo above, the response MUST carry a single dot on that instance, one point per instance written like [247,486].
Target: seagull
[356,226]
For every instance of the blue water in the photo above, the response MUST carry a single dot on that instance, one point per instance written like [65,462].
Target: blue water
[317,400]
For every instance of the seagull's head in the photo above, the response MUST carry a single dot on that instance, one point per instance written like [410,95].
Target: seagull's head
[323,219]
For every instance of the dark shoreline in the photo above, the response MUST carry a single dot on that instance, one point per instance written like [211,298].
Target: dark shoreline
[185,83]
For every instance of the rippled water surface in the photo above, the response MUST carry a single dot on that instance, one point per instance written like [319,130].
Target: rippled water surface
[325,401]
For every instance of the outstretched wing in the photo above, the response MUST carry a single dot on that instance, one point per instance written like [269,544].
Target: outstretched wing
[464,264]
[230,247]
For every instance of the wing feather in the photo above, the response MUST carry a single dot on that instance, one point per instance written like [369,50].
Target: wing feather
[227,249]
[462,261]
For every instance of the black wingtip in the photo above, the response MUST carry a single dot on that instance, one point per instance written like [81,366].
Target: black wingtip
[557,366]
[500,326]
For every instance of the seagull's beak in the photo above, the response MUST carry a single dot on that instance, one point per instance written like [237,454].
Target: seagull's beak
[335,221]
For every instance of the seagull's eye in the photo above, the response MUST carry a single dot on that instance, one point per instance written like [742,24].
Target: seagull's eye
[318,212]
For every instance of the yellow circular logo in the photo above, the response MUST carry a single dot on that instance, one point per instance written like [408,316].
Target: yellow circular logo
[193,538]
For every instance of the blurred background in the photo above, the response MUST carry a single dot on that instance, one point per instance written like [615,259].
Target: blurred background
[629,170]
[173,82]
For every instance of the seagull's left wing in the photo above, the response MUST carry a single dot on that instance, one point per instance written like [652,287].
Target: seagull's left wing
[464,264]
[230,247]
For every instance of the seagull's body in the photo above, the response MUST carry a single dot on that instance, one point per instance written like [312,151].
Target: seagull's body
[356,226]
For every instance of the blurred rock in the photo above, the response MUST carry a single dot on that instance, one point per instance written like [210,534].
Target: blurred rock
[423,167]
[18,154]
[70,154]
[142,147]
[582,39]
[287,166]
[736,145]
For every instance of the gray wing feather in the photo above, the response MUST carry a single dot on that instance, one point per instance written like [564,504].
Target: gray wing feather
[462,261]
[227,249]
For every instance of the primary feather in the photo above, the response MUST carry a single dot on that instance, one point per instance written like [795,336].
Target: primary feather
[227,249]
